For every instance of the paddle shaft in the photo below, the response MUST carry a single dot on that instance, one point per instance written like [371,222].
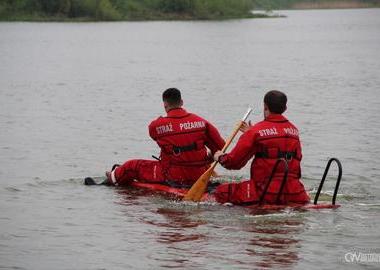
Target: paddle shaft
[228,142]
[232,136]
[199,187]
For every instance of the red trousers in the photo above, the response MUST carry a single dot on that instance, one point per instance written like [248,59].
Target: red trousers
[139,169]
[153,171]
[247,192]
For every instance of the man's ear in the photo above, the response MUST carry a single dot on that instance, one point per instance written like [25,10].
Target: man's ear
[181,103]
[166,105]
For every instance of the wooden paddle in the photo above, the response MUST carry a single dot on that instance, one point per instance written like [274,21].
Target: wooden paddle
[196,192]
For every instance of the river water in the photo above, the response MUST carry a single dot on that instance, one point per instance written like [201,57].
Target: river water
[77,97]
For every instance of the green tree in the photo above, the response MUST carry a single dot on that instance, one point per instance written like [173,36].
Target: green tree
[95,9]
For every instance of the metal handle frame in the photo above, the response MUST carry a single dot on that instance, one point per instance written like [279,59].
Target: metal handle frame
[324,178]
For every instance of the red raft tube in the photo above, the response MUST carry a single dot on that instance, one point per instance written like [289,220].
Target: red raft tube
[180,192]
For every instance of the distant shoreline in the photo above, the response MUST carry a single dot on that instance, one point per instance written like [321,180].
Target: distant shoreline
[131,10]
[316,4]
[334,5]
[101,13]
[170,17]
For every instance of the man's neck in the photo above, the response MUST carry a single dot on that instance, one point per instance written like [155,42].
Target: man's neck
[172,108]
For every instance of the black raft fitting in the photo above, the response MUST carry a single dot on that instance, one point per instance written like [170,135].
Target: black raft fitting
[284,179]
[324,178]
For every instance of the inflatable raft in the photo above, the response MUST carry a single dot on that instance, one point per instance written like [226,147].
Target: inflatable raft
[179,192]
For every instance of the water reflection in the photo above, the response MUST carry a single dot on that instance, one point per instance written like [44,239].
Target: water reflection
[129,196]
[176,235]
[258,238]
[275,242]
[171,229]
[176,221]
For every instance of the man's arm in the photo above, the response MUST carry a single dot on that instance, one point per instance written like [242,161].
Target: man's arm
[152,130]
[241,154]
[214,140]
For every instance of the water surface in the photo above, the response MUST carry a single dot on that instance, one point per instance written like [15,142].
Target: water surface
[77,97]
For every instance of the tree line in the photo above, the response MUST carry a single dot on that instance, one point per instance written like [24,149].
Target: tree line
[126,9]
[142,9]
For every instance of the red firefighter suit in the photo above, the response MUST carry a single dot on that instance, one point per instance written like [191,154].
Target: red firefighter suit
[268,140]
[183,138]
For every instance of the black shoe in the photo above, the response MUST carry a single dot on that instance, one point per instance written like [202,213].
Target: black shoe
[88,181]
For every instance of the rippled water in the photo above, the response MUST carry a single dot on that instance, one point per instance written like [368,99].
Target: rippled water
[76,98]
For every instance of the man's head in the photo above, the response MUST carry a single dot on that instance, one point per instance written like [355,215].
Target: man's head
[274,102]
[172,99]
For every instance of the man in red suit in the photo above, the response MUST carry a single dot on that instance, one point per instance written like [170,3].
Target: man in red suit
[183,137]
[273,138]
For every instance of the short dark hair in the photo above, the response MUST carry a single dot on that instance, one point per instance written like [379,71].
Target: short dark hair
[172,96]
[276,101]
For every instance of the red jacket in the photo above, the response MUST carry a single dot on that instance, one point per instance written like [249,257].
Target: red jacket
[183,138]
[268,140]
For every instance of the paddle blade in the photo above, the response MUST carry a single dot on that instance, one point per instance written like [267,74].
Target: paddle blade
[198,189]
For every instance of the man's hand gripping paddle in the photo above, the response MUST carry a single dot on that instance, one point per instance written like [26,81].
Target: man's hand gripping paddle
[198,189]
